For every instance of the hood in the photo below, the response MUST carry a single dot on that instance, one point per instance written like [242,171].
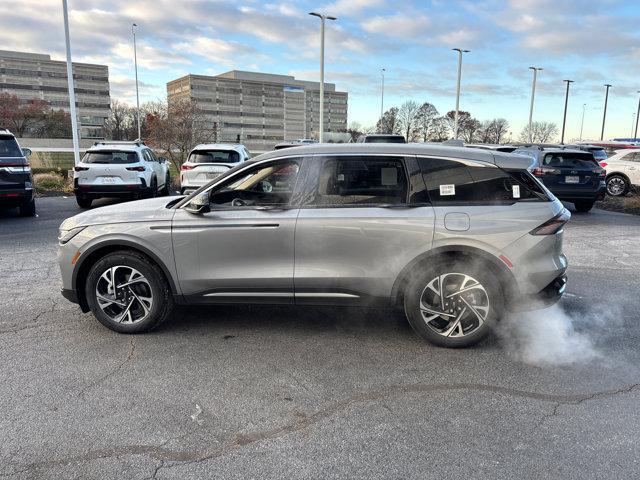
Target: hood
[152,209]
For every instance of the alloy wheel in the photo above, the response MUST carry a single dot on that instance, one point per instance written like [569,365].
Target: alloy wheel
[124,294]
[454,304]
[616,186]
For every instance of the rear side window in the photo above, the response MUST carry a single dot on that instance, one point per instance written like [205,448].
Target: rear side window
[115,157]
[568,160]
[361,181]
[9,147]
[214,156]
[450,182]
[599,154]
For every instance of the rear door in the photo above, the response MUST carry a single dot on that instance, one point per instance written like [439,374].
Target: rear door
[632,167]
[362,220]
[107,168]
[13,167]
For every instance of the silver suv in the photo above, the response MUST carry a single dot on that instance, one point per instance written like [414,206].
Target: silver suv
[454,236]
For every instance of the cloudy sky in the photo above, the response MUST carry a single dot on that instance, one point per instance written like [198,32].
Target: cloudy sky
[590,41]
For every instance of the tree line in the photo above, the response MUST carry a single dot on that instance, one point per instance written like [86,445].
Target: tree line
[423,123]
[33,117]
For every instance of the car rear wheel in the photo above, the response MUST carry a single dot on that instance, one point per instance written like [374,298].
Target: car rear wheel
[453,304]
[617,185]
[583,207]
[153,189]
[84,202]
[128,293]
[28,209]
[167,186]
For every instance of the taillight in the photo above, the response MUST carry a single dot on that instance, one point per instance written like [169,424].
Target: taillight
[603,164]
[184,166]
[136,169]
[80,169]
[540,171]
[554,225]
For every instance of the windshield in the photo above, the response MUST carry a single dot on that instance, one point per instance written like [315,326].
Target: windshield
[569,160]
[389,139]
[117,157]
[214,156]
[9,147]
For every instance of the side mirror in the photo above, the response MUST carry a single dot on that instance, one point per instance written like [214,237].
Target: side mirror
[162,159]
[26,151]
[199,204]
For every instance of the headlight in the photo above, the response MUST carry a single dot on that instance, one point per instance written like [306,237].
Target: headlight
[65,235]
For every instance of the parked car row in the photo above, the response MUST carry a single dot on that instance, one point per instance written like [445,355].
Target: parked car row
[16,180]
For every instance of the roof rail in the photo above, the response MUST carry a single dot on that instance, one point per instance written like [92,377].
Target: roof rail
[136,142]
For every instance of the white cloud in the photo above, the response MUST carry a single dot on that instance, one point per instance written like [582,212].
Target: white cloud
[350,7]
[398,26]
[217,50]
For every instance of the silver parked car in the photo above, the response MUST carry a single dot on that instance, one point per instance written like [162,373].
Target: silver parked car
[454,236]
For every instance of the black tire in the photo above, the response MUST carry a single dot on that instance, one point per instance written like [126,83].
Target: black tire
[417,286]
[617,185]
[166,189]
[153,189]
[84,202]
[28,209]
[583,207]
[160,292]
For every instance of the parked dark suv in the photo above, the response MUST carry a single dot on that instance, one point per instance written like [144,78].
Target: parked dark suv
[572,175]
[16,182]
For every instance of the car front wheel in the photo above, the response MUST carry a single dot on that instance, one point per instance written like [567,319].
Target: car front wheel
[128,293]
[453,304]
[617,186]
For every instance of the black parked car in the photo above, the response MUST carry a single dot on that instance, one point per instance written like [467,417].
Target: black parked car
[572,175]
[16,181]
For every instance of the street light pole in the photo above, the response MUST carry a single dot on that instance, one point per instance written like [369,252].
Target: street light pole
[322,18]
[584,106]
[566,102]
[633,121]
[455,126]
[135,61]
[72,92]
[604,115]
[533,95]
[635,134]
[382,93]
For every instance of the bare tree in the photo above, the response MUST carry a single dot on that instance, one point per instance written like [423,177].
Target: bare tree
[176,128]
[543,132]
[389,122]
[493,131]
[407,119]
[439,130]
[425,120]
[121,122]
[355,130]
[54,124]
[468,126]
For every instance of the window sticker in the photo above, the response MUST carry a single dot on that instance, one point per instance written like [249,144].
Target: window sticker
[389,176]
[516,191]
[340,177]
[447,190]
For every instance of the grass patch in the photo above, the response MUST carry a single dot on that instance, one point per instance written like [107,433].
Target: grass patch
[51,183]
[630,203]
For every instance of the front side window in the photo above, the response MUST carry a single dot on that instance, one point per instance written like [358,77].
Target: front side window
[267,185]
[110,157]
[360,181]
[214,156]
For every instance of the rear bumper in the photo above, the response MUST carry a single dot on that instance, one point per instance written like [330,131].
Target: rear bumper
[571,194]
[109,190]
[546,297]
[15,197]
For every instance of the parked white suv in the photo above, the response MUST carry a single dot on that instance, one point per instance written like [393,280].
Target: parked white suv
[623,171]
[208,161]
[115,169]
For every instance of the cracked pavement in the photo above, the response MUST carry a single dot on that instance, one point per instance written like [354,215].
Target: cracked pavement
[273,392]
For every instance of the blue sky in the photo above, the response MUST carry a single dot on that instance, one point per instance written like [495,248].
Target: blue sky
[588,41]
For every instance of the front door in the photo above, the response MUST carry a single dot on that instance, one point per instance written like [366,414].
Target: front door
[242,250]
[362,220]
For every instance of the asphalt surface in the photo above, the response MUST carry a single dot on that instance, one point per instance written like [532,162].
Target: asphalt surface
[266,392]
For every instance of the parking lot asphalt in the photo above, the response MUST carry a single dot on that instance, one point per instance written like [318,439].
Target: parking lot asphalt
[274,392]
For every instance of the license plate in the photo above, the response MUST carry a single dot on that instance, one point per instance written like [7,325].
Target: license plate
[108,180]
[211,176]
[570,179]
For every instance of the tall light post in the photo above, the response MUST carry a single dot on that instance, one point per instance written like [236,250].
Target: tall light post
[72,91]
[584,106]
[533,95]
[135,62]
[635,134]
[455,126]
[564,118]
[633,121]
[604,115]
[322,18]
[382,70]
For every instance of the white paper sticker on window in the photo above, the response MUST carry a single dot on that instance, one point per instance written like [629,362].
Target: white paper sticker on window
[447,190]
[340,177]
[516,191]
[389,176]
